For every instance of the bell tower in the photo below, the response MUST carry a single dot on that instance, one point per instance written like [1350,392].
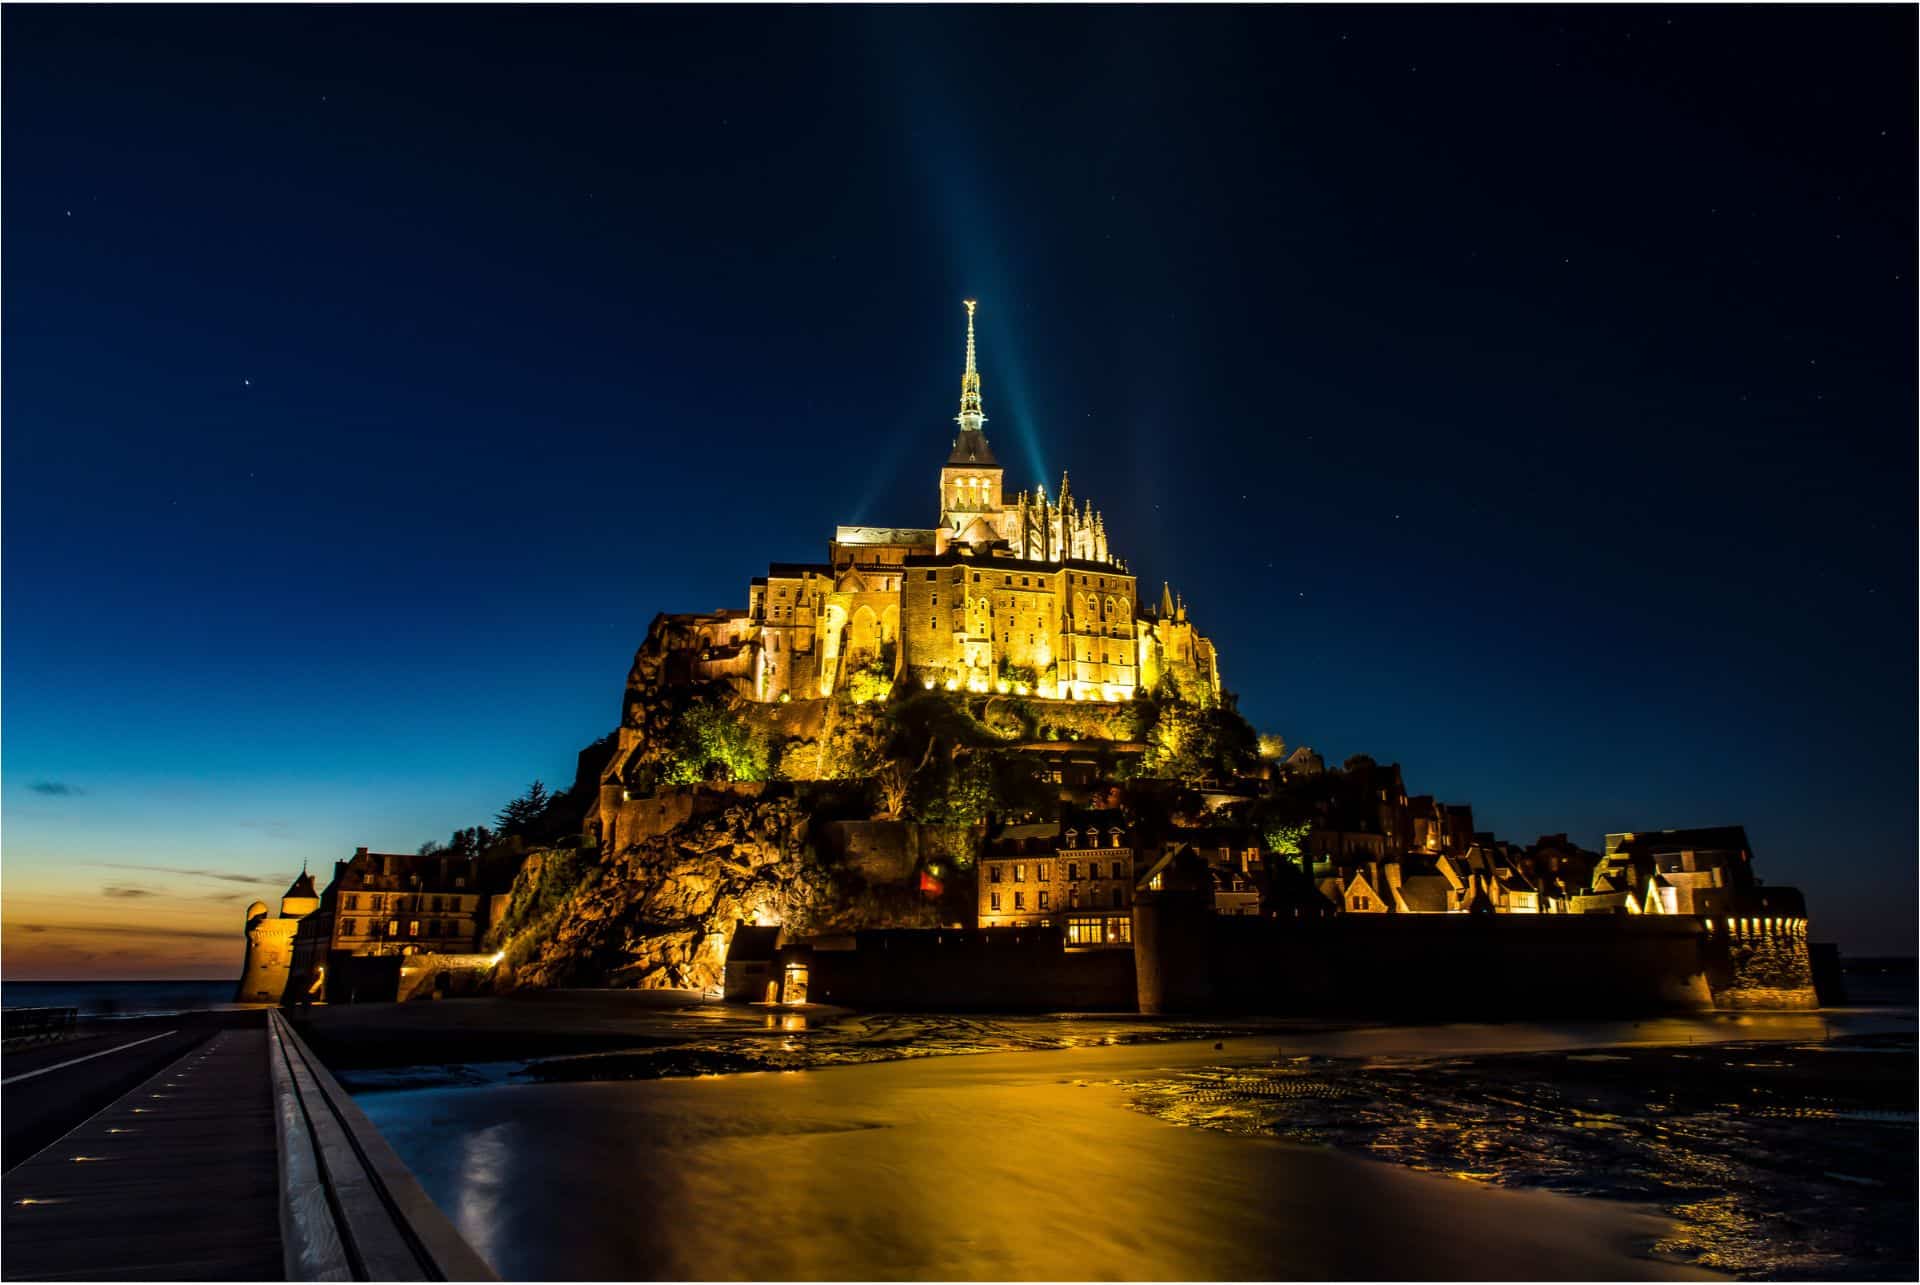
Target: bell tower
[970,482]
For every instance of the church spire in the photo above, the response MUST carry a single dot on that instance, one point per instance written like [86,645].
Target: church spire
[970,416]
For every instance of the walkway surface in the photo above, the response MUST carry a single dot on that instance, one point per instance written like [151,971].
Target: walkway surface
[175,1180]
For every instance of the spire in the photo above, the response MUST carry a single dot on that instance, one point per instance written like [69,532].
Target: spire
[970,417]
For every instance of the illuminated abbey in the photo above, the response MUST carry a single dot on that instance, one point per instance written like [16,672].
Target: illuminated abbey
[1014,595]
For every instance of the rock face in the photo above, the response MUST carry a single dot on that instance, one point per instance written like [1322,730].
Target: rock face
[659,911]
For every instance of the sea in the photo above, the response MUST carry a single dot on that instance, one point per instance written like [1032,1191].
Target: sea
[120,999]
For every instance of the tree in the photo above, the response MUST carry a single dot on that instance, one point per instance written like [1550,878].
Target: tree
[714,743]
[519,818]
[893,781]
[1193,743]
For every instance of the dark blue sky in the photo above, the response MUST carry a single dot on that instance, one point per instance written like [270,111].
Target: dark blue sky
[1525,395]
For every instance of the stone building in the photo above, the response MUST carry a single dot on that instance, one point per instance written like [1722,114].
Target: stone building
[1077,875]
[392,904]
[270,940]
[1018,593]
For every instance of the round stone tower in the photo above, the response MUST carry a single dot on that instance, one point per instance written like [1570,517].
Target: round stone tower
[263,970]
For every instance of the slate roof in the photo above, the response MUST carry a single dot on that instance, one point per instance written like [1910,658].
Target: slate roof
[970,447]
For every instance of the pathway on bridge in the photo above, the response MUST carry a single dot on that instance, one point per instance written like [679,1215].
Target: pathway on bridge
[177,1180]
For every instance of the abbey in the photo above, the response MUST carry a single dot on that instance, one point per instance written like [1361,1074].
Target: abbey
[1022,594]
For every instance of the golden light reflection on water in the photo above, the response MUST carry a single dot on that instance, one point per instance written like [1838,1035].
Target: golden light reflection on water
[1656,1125]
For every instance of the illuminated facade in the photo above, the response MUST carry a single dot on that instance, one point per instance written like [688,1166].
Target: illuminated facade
[1078,875]
[269,958]
[1014,595]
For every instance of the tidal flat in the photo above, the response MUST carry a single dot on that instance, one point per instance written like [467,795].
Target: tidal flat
[1074,1151]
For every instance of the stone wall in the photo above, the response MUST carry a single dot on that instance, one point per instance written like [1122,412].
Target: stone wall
[1003,970]
[1766,966]
[895,851]
[1420,966]
[437,976]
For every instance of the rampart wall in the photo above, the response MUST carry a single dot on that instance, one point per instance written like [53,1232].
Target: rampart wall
[1005,970]
[1457,966]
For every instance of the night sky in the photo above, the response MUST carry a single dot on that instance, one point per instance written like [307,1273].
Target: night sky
[1524,395]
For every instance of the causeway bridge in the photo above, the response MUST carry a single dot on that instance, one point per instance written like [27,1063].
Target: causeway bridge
[205,1146]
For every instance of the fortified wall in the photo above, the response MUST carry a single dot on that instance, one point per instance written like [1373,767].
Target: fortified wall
[999,970]
[1190,960]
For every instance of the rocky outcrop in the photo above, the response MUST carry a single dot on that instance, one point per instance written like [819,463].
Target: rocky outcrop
[659,911]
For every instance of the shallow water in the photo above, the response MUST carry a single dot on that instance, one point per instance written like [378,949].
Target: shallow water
[885,1161]
[1017,1166]
[1776,1161]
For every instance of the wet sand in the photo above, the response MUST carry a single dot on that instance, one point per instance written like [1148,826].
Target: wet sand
[1017,1166]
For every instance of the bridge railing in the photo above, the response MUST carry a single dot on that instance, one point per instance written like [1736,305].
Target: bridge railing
[22,1026]
[349,1208]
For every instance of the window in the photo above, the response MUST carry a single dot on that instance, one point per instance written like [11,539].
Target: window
[460,882]
[393,927]
[1019,901]
[353,901]
[932,574]
[1119,896]
[436,903]
[376,901]
[993,874]
[1073,895]
[1073,871]
[348,927]
[1085,931]
[1093,869]
[936,600]
[1042,874]
[413,928]
[1019,872]
[1043,900]
[996,900]
[1119,932]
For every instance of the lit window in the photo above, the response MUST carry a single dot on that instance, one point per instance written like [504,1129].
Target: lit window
[393,927]
[996,900]
[1043,900]
[413,928]
[1019,873]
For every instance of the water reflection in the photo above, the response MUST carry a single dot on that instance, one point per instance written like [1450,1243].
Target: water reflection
[1806,1169]
[883,1161]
